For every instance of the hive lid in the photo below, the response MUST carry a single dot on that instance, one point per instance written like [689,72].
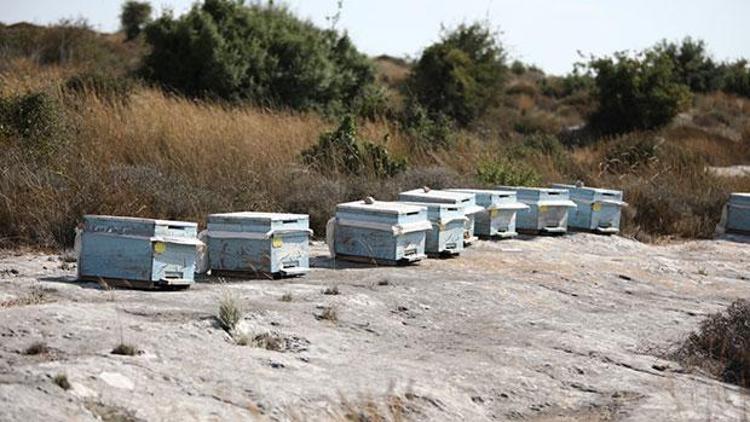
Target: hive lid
[437,195]
[140,220]
[585,188]
[441,205]
[251,215]
[398,208]
[485,191]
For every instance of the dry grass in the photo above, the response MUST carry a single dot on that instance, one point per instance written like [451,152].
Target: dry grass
[61,380]
[37,348]
[125,349]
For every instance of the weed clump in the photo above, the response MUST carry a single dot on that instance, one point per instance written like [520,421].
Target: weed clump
[328,314]
[229,314]
[333,291]
[37,348]
[125,349]
[286,297]
[61,380]
[721,345]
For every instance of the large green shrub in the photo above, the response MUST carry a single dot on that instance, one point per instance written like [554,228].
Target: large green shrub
[462,74]
[736,78]
[636,92]
[692,64]
[425,130]
[134,17]
[340,152]
[36,120]
[260,53]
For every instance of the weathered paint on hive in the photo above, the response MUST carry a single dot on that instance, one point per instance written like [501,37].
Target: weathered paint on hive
[498,217]
[597,210]
[448,224]
[254,242]
[138,249]
[385,232]
[467,200]
[738,213]
[547,212]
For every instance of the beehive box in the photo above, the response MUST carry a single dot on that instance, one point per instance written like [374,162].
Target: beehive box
[378,232]
[467,200]
[498,218]
[738,213]
[138,252]
[547,212]
[597,210]
[447,235]
[258,244]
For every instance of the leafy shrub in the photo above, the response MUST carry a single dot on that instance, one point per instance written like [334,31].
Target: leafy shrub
[630,153]
[340,152]
[692,64]
[36,119]
[494,172]
[112,89]
[721,345]
[259,53]
[736,78]
[461,75]
[636,92]
[134,17]
[427,130]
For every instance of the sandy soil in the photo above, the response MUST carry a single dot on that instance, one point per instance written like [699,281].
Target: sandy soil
[546,328]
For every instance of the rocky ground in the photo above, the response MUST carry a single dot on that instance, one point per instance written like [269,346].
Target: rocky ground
[543,328]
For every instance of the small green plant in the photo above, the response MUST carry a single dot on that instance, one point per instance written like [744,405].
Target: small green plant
[125,349]
[61,380]
[108,88]
[340,152]
[36,119]
[229,314]
[506,172]
[286,297]
[37,348]
[331,291]
[428,129]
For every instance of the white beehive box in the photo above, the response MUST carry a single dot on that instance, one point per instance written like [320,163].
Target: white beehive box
[498,219]
[467,200]
[447,235]
[138,252]
[378,232]
[738,213]
[597,210]
[258,244]
[547,212]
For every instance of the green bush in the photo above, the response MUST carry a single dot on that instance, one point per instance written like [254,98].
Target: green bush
[259,53]
[426,130]
[36,119]
[461,75]
[494,172]
[692,64]
[109,88]
[341,152]
[134,17]
[636,92]
[736,78]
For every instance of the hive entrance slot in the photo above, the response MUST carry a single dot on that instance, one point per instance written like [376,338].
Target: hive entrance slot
[412,213]
[288,221]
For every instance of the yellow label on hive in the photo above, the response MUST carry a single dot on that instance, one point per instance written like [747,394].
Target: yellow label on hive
[160,247]
[596,206]
[493,213]
[276,242]
[543,208]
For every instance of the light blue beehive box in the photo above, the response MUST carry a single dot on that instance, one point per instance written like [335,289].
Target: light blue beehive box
[738,213]
[447,235]
[597,210]
[138,252]
[547,212]
[378,232]
[467,200]
[258,243]
[498,219]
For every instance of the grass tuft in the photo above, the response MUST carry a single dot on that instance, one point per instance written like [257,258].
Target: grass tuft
[37,348]
[125,349]
[229,314]
[61,380]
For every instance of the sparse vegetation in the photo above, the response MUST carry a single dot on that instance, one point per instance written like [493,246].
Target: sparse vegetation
[37,348]
[721,345]
[230,313]
[61,380]
[327,313]
[35,296]
[286,297]
[331,291]
[125,349]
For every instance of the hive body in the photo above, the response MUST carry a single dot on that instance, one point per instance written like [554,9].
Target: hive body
[547,212]
[597,210]
[467,200]
[448,224]
[498,217]
[381,232]
[738,213]
[137,251]
[256,243]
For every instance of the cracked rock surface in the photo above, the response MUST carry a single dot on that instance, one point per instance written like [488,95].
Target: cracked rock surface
[538,328]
